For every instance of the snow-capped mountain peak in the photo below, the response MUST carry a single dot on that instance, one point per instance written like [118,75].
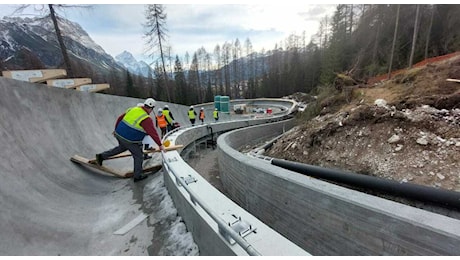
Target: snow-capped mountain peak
[129,62]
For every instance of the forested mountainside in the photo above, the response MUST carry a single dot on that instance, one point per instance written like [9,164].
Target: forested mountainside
[360,41]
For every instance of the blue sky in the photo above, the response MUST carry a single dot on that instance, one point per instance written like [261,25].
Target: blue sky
[118,27]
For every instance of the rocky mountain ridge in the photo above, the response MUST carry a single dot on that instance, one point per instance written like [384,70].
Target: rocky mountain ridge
[134,66]
[35,38]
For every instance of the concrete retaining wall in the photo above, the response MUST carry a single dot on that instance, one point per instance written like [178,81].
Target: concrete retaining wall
[204,228]
[326,219]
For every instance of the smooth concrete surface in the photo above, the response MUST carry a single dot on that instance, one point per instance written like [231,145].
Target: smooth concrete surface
[323,218]
[51,206]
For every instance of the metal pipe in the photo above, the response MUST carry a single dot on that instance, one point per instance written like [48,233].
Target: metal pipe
[222,225]
[446,198]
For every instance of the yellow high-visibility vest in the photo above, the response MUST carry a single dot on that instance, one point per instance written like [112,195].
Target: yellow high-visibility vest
[191,114]
[168,117]
[134,117]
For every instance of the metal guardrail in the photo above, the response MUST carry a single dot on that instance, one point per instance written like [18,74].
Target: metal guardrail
[221,223]
[225,229]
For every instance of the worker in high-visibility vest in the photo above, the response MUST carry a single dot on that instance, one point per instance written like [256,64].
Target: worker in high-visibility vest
[130,129]
[215,114]
[191,115]
[169,118]
[161,122]
[202,116]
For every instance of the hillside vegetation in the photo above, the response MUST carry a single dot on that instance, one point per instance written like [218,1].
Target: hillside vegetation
[405,129]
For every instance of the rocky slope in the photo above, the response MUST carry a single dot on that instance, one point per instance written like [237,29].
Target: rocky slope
[405,129]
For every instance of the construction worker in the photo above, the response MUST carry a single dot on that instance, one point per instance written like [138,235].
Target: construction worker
[191,115]
[201,116]
[161,122]
[169,118]
[130,129]
[215,114]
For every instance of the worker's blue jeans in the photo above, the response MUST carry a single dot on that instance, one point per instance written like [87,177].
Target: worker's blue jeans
[134,148]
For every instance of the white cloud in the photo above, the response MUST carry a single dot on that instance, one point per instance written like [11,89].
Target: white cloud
[118,27]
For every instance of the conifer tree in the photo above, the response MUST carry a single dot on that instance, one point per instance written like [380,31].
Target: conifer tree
[156,38]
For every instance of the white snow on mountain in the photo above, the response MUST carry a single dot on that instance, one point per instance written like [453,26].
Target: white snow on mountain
[44,28]
[129,62]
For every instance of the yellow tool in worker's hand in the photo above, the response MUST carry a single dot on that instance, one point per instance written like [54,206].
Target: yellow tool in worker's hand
[166,143]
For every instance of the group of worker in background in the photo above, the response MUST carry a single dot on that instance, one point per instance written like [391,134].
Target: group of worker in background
[192,115]
[135,127]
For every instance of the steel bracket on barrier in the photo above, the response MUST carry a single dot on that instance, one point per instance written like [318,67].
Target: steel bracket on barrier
[189,179]
[174,159]
[242,227]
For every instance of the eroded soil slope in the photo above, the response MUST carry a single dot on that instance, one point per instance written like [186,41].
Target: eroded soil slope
[405,129]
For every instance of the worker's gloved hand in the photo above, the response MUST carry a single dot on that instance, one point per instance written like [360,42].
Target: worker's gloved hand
[162,148]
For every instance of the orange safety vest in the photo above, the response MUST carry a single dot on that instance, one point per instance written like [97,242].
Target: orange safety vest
[201,114]
[161,121]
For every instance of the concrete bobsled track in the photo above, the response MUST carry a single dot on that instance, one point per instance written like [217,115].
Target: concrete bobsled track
[51,206]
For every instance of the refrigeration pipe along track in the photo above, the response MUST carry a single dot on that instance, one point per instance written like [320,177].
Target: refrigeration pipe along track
[445,198]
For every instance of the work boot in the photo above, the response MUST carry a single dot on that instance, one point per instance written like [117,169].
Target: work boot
[99,159]
[146,156]
[140,178]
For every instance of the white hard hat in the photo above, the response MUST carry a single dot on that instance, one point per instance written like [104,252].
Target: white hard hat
[215,108]
[166,106]
[191,106]
[202,108]
[160,110]
[150,102]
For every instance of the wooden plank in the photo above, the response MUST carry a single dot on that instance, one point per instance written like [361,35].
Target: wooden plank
[86,162]
[453,80]
[35,75]
[127,153]
[169,148]
[121,155]
[68,83]
[93,87]
[90,163]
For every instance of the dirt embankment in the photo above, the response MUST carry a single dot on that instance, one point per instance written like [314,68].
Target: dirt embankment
[405,129]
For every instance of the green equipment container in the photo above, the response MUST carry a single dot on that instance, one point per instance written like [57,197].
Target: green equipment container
[225,104]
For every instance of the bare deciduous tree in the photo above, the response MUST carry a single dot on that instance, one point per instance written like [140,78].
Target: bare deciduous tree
[61,42]
[55,19]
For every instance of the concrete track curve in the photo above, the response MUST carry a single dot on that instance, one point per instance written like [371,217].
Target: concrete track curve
[50,206]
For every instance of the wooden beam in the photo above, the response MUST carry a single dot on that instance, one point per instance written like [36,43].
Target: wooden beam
[68,83]
[128,153]
[34,75]
[93,87]
[88,163]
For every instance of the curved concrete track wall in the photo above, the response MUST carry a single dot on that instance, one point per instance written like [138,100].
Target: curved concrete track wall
[50,206]
[204,228]
[323,218]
